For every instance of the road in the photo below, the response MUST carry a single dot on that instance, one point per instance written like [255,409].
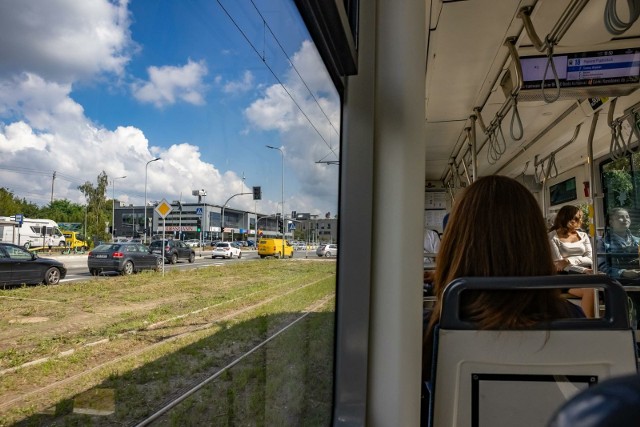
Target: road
[77,264]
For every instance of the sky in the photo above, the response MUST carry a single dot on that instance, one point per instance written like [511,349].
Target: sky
[107,85]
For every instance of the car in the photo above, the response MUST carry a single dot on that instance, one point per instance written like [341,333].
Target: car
[122,257]
[173,250]
[226,250]
[327,250]
[192,243]
[19,266]
[274,247]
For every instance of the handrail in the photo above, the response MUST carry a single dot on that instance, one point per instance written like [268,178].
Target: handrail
[619,146]
[552,39]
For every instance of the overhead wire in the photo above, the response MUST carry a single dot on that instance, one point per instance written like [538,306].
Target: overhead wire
[266,24]
[266,64]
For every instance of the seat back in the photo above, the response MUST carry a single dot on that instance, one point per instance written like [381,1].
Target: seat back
[495,378]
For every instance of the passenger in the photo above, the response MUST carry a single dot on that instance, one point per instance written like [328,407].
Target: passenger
[571,251]
[431,243]
[618,248]
[495,229]
[570,247]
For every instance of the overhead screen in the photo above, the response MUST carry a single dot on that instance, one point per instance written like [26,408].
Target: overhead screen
[563,192]
[584,69]
[582,75]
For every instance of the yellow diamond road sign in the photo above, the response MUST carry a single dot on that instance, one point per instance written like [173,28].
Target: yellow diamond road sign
[163,209]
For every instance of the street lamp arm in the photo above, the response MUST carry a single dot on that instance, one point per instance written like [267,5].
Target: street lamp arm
[224,205]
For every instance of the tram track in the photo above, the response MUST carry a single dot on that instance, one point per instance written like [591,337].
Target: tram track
[195,386]
[185,333]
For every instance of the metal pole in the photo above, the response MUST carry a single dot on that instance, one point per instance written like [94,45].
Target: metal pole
[145,197]
[113,206]
[283,224]
[224,205]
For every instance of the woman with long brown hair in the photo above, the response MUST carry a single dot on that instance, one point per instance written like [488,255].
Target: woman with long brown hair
[496,229]
[570,247]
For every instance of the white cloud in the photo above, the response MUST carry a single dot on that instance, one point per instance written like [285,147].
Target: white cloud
[18,137]
[240,86]
[53,134]
[64,40]
[304,144]
[168,84]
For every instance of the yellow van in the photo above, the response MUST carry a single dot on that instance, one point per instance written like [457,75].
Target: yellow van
[273,247]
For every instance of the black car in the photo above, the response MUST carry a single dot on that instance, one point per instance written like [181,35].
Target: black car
[173,250]
[19,266]
[124,258]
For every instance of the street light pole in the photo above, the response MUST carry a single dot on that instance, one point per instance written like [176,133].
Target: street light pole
[113,206]
[224,205]
[283,223]
[145,197]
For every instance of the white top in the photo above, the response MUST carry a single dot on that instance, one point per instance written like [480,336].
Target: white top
[431,244]
[577,253]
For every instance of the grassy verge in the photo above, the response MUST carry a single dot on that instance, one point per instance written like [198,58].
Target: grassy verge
[157,336]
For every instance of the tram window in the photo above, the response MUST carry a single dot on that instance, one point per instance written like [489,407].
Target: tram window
[169,98]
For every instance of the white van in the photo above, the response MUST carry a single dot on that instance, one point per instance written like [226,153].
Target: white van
[37,233]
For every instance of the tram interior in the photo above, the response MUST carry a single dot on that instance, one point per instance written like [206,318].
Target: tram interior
[478,73]
[472,69]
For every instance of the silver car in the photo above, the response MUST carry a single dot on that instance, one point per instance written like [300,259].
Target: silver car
[327,250]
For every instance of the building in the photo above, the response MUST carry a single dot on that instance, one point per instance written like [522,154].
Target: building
[201,221]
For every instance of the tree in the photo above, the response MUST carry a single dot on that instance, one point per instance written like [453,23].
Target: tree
[63,211]
[97,213]
[11,205]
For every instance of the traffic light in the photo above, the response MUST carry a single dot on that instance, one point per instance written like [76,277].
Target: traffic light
[257,193]
[198,224]
[280,226]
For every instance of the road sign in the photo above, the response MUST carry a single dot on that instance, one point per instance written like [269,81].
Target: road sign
[19,218]
[198,211]
[163,209]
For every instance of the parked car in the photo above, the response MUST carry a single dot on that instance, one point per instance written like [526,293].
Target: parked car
[124,258]
[274,247]
[328,250]
[19,266]
[226,250]
[173,250]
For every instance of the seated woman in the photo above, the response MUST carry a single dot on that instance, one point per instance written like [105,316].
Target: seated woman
[495,229]
[570,247]
[571,251]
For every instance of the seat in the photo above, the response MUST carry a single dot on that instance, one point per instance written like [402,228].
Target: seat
[500,378]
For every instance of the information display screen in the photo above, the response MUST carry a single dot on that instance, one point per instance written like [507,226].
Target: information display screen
[583,69]
[563,192]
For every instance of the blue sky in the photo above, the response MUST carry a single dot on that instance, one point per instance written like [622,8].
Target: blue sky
[108,85]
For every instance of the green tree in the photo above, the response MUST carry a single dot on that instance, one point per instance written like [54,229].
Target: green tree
[97,213]
[11,205]
[64,211]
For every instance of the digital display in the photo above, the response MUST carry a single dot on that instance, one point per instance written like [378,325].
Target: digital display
[563,192]
[583,69]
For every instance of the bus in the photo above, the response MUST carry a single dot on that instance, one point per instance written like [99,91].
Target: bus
[429,96]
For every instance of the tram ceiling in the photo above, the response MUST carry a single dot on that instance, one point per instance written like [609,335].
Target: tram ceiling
[466,60]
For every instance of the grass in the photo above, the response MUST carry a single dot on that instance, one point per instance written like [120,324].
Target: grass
[164,334]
